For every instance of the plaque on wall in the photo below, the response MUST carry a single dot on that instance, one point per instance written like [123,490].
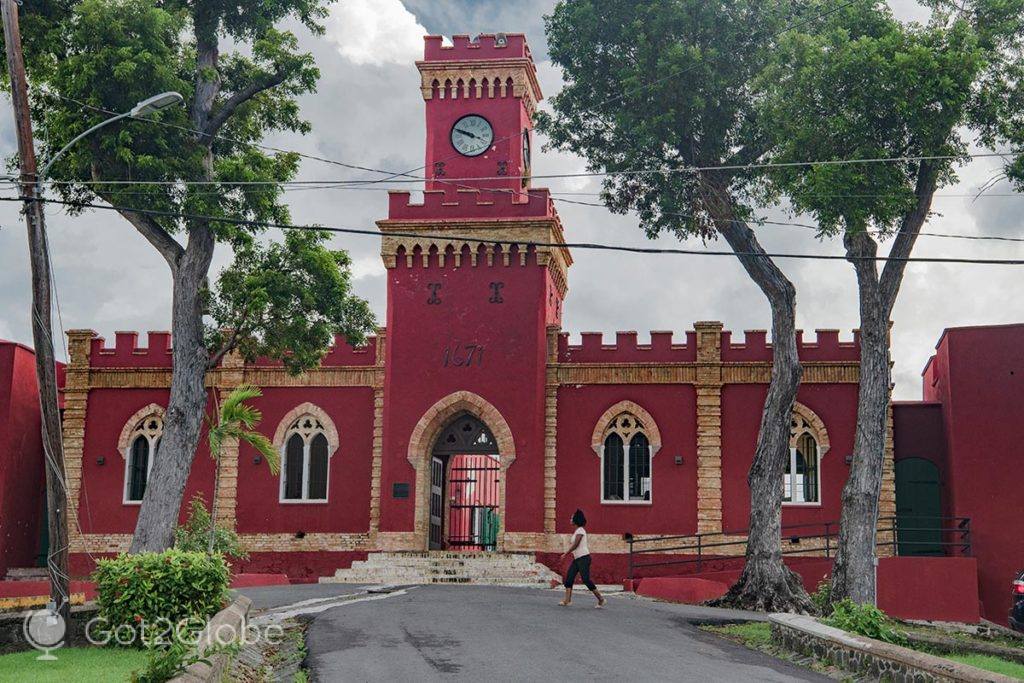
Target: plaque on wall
[400,490]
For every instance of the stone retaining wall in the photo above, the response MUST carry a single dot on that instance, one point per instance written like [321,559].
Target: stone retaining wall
[230,620]
[867,657]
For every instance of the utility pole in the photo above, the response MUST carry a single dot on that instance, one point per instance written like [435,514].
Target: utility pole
[46,373]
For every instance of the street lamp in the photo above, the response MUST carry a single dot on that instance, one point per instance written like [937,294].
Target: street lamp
[143,108]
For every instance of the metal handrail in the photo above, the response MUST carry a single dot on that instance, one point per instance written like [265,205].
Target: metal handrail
[960,543]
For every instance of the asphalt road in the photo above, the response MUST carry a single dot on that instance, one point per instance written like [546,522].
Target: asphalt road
[505,634]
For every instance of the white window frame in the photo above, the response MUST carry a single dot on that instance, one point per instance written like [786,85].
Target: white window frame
[625,465]
[152,437]
[790,479]
[307,436]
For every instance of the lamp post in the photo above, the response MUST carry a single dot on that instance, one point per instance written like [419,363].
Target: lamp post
[143,108]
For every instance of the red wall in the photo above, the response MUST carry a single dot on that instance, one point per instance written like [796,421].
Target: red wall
[978,376]
[348,506]
[835,404]
[100,506]
[510,375]
[673,507]
[22,481]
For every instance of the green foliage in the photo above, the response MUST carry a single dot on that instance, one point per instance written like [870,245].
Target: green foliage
[157,588]
[866,620]
[236,420]
[194,535]
[861,84]
[92,57]
[654,84]
[258,296]
[164,662]
[822,596]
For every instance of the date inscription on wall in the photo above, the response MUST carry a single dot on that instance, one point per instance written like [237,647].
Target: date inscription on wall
[461,355]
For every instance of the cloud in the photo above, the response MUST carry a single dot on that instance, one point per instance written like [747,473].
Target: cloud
[375,32]
[368,110]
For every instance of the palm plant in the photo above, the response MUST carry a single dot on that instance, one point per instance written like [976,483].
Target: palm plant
[237,420]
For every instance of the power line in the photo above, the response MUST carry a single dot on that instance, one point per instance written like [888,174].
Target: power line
[555,196]
[521,243]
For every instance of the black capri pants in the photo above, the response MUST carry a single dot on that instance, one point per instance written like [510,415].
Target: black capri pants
[581,566]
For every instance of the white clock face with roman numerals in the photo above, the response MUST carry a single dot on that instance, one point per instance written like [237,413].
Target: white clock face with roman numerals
[472,135]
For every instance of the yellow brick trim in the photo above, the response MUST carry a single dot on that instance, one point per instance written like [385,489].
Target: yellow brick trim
[421,446]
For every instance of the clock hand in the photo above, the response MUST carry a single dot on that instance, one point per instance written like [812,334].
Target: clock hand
[466,132]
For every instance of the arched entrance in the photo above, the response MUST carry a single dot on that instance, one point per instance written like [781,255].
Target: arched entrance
[434,443]
[465,474]
[918,507]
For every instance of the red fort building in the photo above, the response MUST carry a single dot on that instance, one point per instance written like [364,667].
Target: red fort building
[471,423]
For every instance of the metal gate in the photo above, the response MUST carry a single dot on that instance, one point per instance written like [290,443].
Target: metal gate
[465,487]
[436,503]
[473,508]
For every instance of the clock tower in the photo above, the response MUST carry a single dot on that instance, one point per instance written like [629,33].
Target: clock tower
[477,274]
[480,99]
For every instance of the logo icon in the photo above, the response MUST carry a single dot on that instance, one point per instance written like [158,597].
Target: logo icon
[44,630]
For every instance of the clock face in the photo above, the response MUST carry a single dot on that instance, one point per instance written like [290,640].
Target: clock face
[472,135]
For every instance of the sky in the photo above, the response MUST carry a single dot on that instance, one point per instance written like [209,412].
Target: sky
[368,111]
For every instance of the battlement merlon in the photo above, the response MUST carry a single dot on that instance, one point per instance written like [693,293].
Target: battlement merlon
[473,63]
[707,342]
[89,350]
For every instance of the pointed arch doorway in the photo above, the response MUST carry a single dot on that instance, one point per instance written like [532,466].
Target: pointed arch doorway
[440,440]
[465,479]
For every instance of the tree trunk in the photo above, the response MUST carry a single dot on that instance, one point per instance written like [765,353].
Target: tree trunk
[161,504]
[854,575]
[766,583]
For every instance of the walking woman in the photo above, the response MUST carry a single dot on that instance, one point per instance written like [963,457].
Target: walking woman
[580,561]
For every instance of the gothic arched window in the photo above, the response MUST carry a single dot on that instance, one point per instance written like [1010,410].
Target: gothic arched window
[305,460]
[801,481]
[143,446]
[625,461]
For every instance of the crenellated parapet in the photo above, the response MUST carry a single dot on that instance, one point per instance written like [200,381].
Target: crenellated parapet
[627,349]
[826,347]
[456,203]
[89,350]
[486,68]
[469,228]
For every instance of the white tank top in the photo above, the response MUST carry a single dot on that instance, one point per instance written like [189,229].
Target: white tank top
[582,549]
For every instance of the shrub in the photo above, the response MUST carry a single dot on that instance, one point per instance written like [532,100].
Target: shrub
[157,590]
[866,620]
[822,597]
[194,534]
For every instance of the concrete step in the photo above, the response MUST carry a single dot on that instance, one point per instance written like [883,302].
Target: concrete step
[445,567]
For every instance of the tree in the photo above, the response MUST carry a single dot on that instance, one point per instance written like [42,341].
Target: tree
[658,90]
[864,86]
[98,55]
[237,421]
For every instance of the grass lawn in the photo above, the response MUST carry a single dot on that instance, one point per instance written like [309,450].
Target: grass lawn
[990,663]
[78,664]
[757,635]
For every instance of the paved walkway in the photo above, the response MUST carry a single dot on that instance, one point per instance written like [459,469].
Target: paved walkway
[491,633]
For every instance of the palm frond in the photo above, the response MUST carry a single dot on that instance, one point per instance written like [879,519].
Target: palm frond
[266,448]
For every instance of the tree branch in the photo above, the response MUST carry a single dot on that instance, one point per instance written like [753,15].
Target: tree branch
[910,229]
[237,100]
[148,227]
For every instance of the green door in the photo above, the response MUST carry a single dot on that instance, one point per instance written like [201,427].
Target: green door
[918,509]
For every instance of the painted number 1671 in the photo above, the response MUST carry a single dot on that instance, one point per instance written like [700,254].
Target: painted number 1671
[462,355]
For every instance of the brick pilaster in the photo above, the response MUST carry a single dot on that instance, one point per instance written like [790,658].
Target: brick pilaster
[76,395]
[551,432]
[709,426]
[230,376]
